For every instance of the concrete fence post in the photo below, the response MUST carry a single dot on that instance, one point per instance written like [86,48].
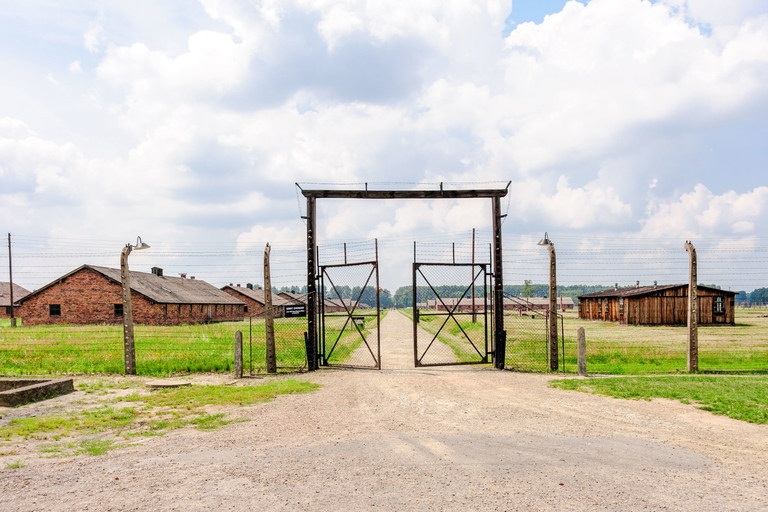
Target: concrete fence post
[582,356]
[238,354]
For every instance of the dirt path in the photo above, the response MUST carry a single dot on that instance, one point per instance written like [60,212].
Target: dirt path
[455,438]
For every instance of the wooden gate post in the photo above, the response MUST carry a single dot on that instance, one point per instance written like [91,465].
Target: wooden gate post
[238,354]
[693,311]
[269,320]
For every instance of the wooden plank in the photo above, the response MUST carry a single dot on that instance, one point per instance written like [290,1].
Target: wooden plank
[404,194]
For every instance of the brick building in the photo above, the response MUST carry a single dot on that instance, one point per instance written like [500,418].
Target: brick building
[254,300]
[5,298]
[93,295]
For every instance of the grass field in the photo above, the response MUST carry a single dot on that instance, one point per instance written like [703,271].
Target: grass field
[160,350]
[743,398]
[629,349]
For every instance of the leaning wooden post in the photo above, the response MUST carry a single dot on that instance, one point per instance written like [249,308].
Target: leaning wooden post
[238,354]
[582,356]
[269,319]
[693,312]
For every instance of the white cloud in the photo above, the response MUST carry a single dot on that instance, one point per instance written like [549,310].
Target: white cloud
[717,12]
[701,213]
[75,68]
[94,36]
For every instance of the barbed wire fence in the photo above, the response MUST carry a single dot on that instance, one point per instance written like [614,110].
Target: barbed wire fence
[582,262]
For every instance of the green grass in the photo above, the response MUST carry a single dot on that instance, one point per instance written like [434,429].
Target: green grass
[741,398]
[618,349]
[630,349]
[147,415]
[15,465]
[160,350]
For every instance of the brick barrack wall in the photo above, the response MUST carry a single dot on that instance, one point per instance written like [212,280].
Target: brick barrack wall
[88,297]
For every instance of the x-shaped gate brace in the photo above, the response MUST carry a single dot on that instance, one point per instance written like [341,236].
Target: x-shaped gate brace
[451,315]
[349,312]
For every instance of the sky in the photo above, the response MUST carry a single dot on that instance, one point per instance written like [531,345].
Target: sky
[623,127]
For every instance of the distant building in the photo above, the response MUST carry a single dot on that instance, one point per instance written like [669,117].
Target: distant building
[528,303]
[254,300]
[657,305]
[5,298]
[93,295]
[296,298]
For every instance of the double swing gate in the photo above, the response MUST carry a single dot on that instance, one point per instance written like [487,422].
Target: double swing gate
[451,314]
[349,315]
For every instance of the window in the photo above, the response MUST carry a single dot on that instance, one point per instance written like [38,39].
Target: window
[165,309]
[7,310]
[118,310]
[246,308]
[216,309]
[202,310]
[178,308]
[718,306]
[587,303]
[54,309]
[621,306]
[600,307]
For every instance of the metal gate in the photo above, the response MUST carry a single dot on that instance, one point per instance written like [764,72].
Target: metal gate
[451,317]
[349,315]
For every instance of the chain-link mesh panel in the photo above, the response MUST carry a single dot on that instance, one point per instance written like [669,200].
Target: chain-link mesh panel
[350,319]
[739,347]
[452,328]
[526,336]
[290,342]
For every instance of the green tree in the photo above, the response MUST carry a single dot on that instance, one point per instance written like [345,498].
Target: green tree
[527,288]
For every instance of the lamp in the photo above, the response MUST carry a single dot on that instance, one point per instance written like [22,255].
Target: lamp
[140,245]
[545,240]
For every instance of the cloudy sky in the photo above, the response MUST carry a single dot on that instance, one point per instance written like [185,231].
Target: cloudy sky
[624,126]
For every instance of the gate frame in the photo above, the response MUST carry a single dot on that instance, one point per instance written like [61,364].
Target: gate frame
[374,272]
[499,336]
[449,314]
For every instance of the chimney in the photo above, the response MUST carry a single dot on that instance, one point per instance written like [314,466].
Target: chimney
[157,271]
[654,284]
[230,284]
[249,286]
[192,277]
[616,286]
[183,275]
[636,286]
[238,285]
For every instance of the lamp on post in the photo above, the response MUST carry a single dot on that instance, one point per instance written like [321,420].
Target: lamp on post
[552,313]
[129,347]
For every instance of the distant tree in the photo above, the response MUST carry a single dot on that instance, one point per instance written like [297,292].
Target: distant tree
[528,290]
[760,295]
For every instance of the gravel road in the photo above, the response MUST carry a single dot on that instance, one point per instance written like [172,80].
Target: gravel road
[451,438]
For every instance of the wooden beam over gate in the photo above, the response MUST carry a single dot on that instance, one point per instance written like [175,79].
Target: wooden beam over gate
[404,194]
